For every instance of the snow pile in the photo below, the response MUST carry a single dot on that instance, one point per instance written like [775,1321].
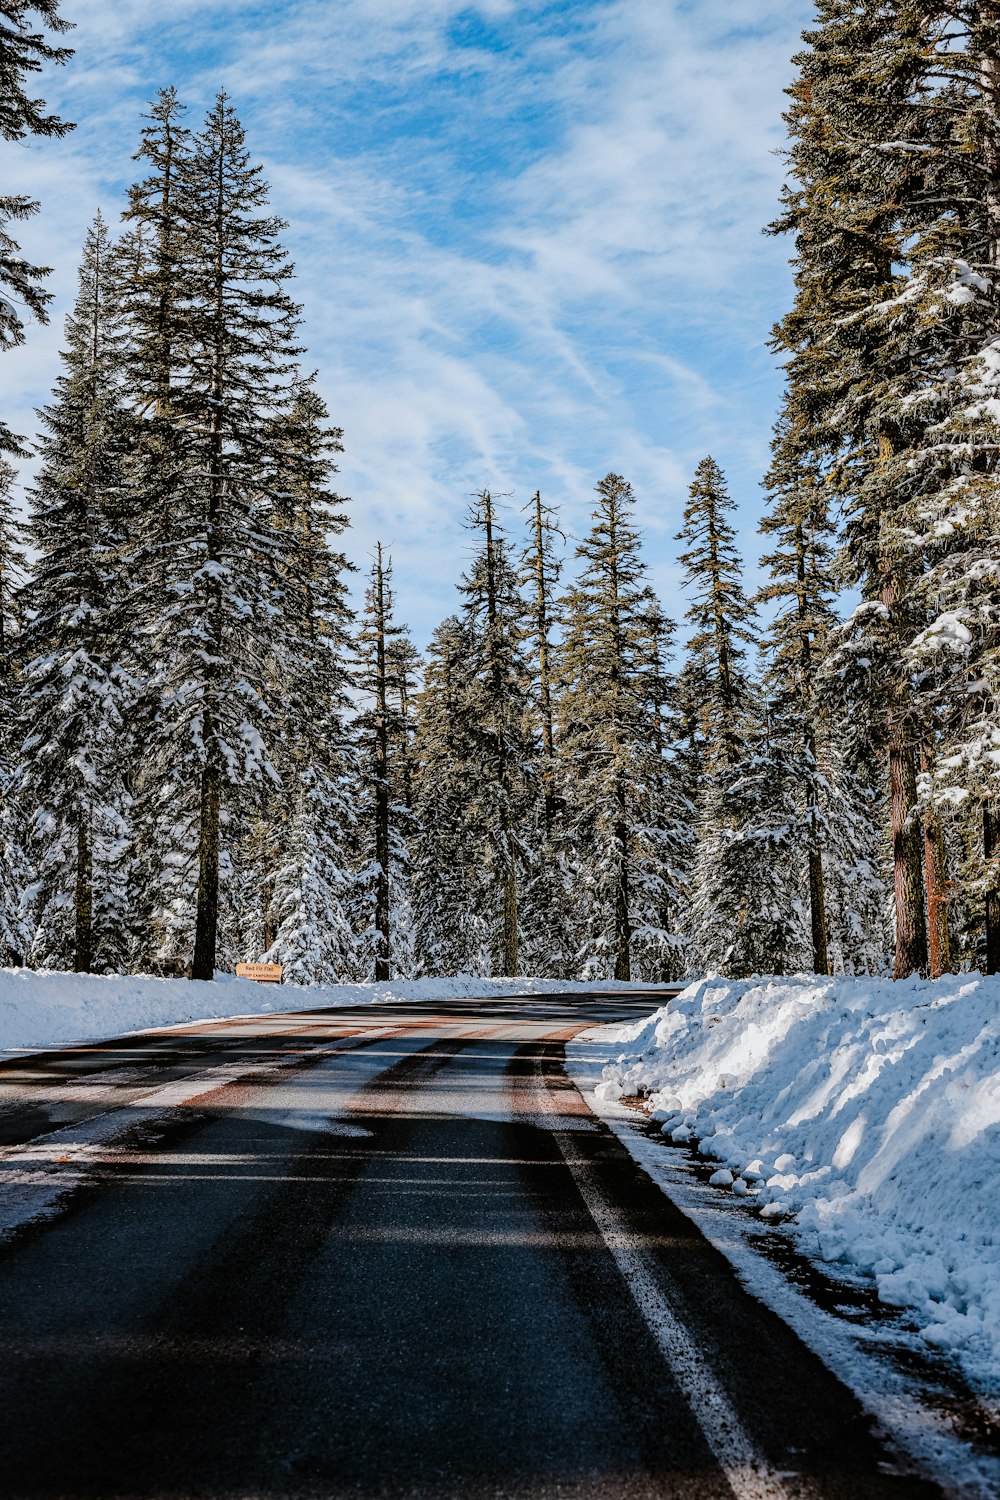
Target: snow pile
[862,1114]
[45,1009]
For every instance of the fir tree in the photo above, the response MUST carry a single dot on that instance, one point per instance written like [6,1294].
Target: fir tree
[609,738]
[454,926]
[745,914]
[14,936]
[77,689]
[497,701]
[866,137]
[215,538]
[302,884]
[803,588]
[721,615]
[383,733]
[541,568]
[24,51]
[736,907]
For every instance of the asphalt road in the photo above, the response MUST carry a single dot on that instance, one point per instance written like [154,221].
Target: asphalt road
[384,1252]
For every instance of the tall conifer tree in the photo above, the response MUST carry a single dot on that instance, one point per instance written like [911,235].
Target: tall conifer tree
[14,936]
[77,688]
[454,925]
[498,703]
[218,328]
[383,735]
[609,736]
[303,885]
[28,29]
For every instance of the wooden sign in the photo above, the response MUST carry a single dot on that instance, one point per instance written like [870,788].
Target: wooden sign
[262,973]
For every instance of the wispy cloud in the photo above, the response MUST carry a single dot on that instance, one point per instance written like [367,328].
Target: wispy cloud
[528,236]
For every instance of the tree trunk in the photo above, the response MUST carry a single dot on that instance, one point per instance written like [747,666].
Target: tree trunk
[267,896]
[510,945]
[908,887]
[623,901]
[817,884]
[817,912]
[623,922]
[207,919]
[83,951]
[381,780]
[907,854]
[544,673]
[991,863]
[508,930]
[936,878]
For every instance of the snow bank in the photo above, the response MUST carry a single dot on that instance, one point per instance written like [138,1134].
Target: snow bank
[861,1114]
[45,1009]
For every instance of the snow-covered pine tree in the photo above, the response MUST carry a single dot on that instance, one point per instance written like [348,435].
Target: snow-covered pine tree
[803,589]
[453,923]
[720,613]
[748,915]
[608,732]
[853,103]
[382,732]
[298,881]
[212,548]
[504,788]
[946,315]
[541,568]
[77,691]
[672,815]
[14,931]
[28,29]
[547,925]
[736,857]
[403,666]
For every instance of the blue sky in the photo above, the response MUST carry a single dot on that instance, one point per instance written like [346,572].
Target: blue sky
[528,238]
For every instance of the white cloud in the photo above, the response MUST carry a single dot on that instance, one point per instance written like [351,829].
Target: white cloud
[488,300]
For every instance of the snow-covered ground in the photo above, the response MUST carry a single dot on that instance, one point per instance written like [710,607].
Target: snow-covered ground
[43,1009]
[862,1115]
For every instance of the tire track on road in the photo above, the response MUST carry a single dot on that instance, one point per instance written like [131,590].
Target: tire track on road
[40,1178]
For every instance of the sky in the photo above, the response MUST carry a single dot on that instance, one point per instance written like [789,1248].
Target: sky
[528,239]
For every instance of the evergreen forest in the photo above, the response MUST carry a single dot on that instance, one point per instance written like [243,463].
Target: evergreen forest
[206,756]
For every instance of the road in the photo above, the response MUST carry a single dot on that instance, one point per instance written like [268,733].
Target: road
[380,1252]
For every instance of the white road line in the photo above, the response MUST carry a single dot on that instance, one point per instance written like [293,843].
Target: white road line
[745,1470]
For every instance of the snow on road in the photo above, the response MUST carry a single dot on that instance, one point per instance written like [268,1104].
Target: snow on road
[861,1115]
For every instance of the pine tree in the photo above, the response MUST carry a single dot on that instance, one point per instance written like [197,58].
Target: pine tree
[498,705]
[721,615]
[216,369]
[547,921]
[302,887]
[403,668]
[803,588]
[946,313]
[14,934]
[76,687]
[383,734]
[541,568]
[745,913]
[609,737]
[671,815]
[23,52]
[739,892]
[454,925]
[852,103]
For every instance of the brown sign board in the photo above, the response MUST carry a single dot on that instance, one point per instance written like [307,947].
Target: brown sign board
[263,973]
